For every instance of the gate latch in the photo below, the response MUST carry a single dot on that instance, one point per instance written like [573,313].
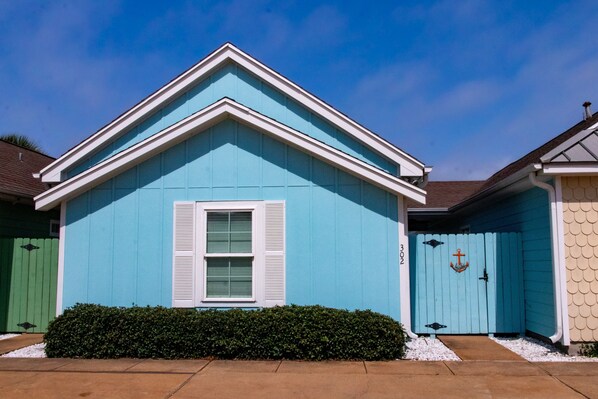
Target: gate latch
[484,277]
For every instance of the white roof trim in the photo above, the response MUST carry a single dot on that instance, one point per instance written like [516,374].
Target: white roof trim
[202,120]
[53,172]
[570,169]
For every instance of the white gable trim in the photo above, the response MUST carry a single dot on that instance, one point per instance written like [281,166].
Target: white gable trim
[53,173]
[570,169]
[202,120]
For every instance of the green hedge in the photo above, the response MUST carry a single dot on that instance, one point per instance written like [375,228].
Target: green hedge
[288,332]
[589,349]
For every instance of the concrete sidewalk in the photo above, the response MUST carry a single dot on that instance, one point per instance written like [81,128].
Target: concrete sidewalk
[134,378]
[478,347]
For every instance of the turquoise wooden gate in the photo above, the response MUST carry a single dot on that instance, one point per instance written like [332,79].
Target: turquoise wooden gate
[466,283]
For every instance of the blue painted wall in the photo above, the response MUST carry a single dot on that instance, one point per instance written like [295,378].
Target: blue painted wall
[236,83]
[527,212]
[342,233]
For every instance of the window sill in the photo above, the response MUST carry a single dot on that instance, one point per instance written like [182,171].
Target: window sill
[228,300]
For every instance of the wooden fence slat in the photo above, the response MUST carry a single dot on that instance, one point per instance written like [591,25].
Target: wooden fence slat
[53,279]
[27,283]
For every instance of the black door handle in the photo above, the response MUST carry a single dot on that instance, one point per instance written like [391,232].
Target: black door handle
[484,277]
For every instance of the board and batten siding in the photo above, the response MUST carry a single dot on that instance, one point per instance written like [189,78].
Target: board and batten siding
[528,213]
[342,233]
[234,82]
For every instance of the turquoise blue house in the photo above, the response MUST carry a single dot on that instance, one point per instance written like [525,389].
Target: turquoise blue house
[232,186]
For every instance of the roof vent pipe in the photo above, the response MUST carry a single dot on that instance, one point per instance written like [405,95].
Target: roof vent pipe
[587,112]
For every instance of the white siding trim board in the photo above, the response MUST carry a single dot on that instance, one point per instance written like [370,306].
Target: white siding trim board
[209,116]
[61,244]
[562,265]
[405,288]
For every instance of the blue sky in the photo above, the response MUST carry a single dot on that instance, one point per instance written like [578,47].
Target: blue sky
[465,86]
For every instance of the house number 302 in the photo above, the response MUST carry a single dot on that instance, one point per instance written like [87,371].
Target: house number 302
[402,254]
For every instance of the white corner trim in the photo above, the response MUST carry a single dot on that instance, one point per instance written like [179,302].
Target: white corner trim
[561,243]
[404,287]
[61,243]
[202,120]
[53,173]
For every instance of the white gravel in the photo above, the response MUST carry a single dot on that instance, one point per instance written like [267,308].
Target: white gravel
[534,350]
[37,350]
[424,348]
[7,336]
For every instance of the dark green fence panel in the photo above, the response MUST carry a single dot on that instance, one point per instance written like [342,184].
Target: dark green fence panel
[28,276]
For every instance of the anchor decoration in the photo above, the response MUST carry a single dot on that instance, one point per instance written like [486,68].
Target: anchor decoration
[459,267]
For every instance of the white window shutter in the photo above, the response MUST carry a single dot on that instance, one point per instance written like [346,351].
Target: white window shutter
[183,269]
[274,256]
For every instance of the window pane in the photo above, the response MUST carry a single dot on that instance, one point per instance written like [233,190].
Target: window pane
[228,232]
[218,243]
[240,288]
[218,267]
[240,222]
[217,289]
[229,277]
[240,242]
[217,221]
[240,267]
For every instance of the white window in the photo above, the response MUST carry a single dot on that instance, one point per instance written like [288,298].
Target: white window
[54,228]
[228,254]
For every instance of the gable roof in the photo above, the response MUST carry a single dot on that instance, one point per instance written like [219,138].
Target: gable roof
[16,171]
[200,121]
[442,195]
[536,155]
[583,147]
[409,166]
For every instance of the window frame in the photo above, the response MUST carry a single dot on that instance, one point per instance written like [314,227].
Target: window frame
[257,242]
[54,222]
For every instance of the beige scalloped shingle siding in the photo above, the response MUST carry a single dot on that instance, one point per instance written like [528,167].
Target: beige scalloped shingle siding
[580,215]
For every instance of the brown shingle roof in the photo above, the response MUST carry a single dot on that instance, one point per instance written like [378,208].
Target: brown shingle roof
[445,194]
[16,175]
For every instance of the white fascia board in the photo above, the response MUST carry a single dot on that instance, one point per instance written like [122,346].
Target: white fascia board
[209,116]
[570,169]
[52,173]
